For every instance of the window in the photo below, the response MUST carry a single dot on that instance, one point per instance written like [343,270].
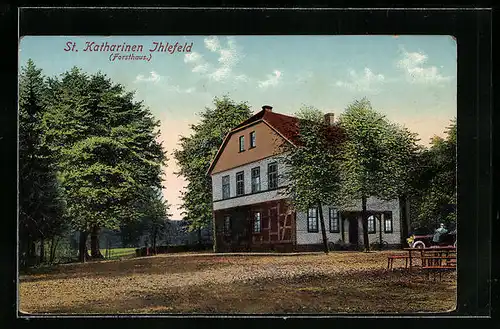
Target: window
[227,224]
[334,220]
[225,187]
[252,139]
[240,183]
[242,143]
[272,175]
[371,224]
[312,220]
[388,222]
[256,222]
[255,179]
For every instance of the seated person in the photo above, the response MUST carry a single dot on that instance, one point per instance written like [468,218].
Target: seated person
[438,233]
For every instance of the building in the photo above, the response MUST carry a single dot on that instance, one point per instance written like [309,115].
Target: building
[250,210]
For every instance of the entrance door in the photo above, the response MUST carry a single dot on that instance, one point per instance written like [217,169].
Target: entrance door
[353,229]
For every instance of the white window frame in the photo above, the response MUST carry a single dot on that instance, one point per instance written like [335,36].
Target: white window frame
[312,228]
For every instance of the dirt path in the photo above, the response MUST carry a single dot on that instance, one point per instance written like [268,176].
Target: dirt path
[183,283]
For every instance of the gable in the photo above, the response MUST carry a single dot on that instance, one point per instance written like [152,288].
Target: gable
[268,143]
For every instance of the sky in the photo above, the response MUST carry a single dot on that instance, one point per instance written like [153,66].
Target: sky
[410,79]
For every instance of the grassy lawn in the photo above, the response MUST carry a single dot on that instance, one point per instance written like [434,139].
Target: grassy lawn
[118,252]
[340,282]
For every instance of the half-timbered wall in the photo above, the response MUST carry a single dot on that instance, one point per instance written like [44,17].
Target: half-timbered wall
[277,227]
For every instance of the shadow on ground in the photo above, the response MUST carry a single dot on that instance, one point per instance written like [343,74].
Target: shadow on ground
[365,291]
[116,268]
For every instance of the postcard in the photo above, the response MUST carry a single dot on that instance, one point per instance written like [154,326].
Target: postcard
[237,174]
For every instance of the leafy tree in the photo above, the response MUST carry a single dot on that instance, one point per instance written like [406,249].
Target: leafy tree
[435,196]
[131,232]
[41,214]
[196,153]
[376,157]
[108,149]
[155,218]
[313,165]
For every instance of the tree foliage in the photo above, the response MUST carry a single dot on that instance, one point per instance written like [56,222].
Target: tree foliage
[196,153]
[108,150]
[42,208]
[435,184]
[377,157]
[313,165]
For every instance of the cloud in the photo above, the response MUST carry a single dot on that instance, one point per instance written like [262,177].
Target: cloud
[222,70]
[153,77]
[361,82]
[272,80]
[166,84]
[413,63]
[201,68]
[197,61]
[193,57]
[241,77]
[212,43]
[178,89]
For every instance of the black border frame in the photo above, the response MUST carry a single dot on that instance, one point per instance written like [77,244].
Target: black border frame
[471,27]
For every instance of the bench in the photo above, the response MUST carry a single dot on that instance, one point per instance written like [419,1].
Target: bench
[450,264]
[437,260]
[391,258]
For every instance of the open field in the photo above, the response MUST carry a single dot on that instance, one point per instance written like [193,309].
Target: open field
[119,252]
[340,282]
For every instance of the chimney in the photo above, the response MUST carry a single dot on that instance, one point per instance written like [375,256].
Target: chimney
[329,119]
[268,108]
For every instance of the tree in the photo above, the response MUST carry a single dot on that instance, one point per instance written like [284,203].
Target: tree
[108,149]
[41,214]
[435,189]
[155,217]
[376,157]
[313,166]
[196,153]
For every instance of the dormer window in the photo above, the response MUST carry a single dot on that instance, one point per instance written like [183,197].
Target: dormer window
[252,139]
[242,143]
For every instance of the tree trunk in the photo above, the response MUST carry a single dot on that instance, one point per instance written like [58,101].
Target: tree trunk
[55,242]
[22,253]
[32,249]
[31,252]
[364,222]
[323,230]
[342,226]
[380,232]
[82,248]
[404,218]
[214,235]
[52,250]
[155,233]
[95,252]
[42,250]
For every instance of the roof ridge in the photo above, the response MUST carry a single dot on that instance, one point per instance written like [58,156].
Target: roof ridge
[281,114]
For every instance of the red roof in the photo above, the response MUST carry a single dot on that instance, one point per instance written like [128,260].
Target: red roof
[286,125]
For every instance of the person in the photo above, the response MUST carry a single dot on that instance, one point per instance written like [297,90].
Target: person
[438,233]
